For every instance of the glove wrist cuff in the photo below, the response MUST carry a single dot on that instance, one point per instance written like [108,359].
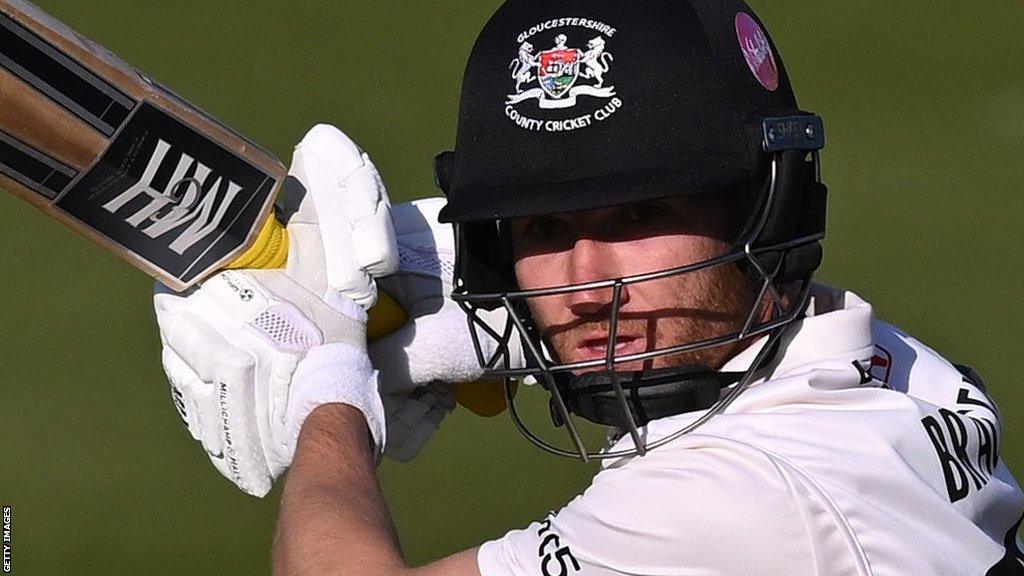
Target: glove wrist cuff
[336,373]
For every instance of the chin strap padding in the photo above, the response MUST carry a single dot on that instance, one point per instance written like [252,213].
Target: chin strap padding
[650,394]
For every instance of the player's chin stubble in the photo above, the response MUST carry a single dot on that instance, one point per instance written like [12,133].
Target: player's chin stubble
[698,306]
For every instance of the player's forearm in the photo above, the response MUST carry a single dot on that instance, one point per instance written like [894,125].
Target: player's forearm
[333,517]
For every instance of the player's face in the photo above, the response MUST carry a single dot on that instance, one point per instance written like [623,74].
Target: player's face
[579,247]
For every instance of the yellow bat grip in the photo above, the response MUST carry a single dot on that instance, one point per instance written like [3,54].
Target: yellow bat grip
[270,250]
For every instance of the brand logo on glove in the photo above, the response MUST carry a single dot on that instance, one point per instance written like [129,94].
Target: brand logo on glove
[562,78]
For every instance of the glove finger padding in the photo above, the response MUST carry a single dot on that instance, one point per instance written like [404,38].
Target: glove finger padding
[352,209]
[436,345]
[194,400]
[432,348]
[244,458]
[413,418]
[217,381]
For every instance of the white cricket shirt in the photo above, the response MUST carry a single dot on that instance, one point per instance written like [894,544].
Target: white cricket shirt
[861,452]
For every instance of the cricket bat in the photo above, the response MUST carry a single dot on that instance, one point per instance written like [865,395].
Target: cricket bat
[123,160]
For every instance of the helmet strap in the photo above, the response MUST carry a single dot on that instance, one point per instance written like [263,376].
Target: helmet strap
[650,394]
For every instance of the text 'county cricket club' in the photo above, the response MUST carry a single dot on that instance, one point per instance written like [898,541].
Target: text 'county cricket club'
[564,87]
[170,195]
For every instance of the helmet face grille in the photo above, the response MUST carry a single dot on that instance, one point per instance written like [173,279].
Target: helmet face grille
[599,390]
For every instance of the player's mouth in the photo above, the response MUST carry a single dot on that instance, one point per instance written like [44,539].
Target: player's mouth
[596,347]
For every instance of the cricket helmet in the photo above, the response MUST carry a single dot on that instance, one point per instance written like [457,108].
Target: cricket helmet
[571,105]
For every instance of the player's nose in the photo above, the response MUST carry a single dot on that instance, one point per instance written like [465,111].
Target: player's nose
[592,261]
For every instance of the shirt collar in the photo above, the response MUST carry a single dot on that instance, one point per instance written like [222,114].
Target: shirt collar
[837,322]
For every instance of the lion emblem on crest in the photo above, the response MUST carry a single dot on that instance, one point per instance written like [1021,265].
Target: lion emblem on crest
[522,67]
[597,60]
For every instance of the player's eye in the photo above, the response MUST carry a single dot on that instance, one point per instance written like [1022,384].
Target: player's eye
[644,212]
[542,234]
[545,228]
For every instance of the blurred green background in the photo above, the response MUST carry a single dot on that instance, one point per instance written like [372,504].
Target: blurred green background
[924,104]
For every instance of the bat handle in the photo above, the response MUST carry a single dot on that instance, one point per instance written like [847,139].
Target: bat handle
[270,250]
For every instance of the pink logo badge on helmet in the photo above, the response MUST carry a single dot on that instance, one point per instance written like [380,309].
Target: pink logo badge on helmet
[757,51]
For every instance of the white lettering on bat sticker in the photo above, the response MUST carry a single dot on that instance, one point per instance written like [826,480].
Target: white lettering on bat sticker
[181,202]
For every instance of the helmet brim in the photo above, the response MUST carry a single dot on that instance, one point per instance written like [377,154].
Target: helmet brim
[534,199]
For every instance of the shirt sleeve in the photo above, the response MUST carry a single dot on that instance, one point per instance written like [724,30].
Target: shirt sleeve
[694,511]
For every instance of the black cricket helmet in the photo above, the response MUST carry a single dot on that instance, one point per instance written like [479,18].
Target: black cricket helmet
[571,105]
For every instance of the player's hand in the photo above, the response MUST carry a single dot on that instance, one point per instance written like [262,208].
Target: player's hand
[251,353]
[435,349]
[249,356]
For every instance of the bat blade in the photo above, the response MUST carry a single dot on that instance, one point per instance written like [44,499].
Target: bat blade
[114,155]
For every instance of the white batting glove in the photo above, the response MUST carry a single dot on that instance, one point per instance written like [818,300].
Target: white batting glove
[249,356]
[252,353]
[435,349]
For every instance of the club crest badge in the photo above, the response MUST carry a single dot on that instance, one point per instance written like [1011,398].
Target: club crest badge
[557,71]
[562,77]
